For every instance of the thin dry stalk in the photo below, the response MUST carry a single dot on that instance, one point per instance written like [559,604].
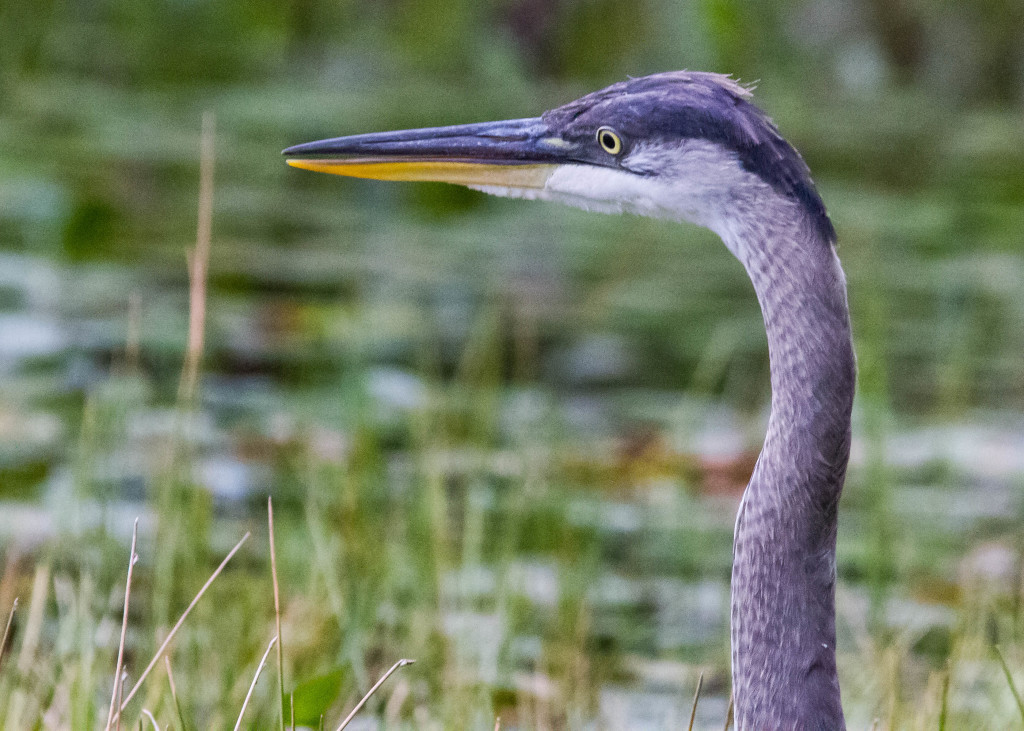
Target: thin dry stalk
[728,714]
[170,680]
[152,719]
[696,697]
[7,630]
[198,262]
[497,724]
[277,607]
[252,685]
[181,621]
[360,704]
[118,684]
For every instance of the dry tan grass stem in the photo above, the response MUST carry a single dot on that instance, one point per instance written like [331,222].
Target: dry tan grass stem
[360,704]
[696,697]
[181,621]
[277,606]
[7,630]
[118,683]
[198,262]
[252,685]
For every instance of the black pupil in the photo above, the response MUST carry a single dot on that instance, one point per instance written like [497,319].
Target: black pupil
[608,140]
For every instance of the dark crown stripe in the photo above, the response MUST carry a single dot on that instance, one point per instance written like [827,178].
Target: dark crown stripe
[712,107]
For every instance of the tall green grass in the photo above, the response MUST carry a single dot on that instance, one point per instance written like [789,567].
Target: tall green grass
[379,555]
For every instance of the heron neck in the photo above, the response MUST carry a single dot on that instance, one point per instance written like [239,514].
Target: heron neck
[783,581]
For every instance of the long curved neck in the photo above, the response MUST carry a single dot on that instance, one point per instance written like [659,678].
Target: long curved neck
[783,580]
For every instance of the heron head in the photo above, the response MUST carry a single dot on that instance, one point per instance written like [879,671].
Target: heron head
[680,145]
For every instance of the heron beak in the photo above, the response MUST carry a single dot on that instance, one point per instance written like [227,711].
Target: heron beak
[517,153]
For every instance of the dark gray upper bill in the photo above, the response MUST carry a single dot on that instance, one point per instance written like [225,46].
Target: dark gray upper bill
[508,141]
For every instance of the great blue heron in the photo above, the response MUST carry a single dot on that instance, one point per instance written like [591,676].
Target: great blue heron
[691,146]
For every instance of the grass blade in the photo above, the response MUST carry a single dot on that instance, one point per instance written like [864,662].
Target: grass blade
[152,719]
[252,685]
[198,262]
[696,697]
[944,700]
[360,704]
[7,630]
[277,607]
[119,686]
[181,621]
[174,695]
[1009,680]
[118,683]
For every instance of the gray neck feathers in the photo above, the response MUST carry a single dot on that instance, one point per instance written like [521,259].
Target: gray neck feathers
[783,582]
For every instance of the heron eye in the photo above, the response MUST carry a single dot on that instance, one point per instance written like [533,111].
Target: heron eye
[609,140]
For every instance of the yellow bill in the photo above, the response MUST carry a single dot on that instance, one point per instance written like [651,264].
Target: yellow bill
[442,171]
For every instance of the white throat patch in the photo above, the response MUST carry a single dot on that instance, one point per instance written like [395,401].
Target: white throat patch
[689,180]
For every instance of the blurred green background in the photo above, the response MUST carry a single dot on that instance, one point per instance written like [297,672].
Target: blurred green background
[472,410]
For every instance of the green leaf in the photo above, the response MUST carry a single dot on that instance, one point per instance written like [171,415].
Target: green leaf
[313,697]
